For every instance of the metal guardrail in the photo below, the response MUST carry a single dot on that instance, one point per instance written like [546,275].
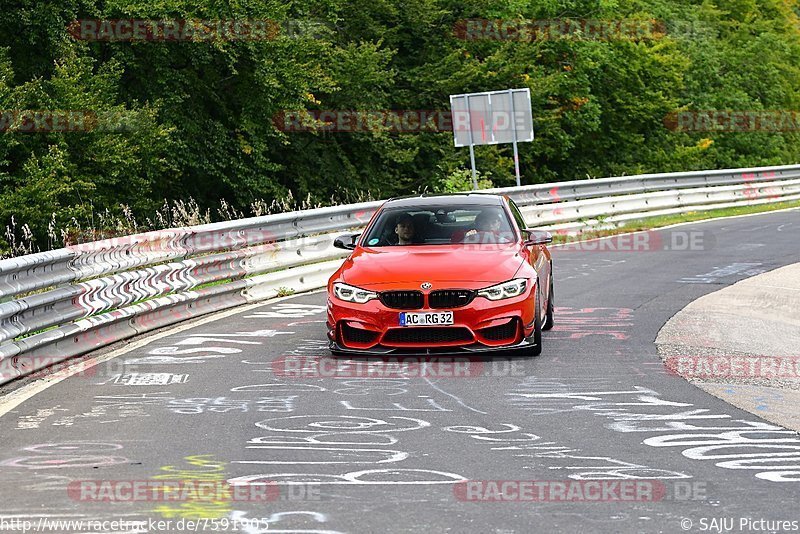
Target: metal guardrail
[74,300]
[644,183]
[617,208]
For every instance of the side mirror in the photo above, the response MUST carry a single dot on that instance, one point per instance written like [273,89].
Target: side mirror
[538,237]
[346,241]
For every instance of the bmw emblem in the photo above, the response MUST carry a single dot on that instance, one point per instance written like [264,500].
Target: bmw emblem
[426,285]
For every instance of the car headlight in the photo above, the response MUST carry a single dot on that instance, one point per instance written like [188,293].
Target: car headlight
[353,294]
[506,290]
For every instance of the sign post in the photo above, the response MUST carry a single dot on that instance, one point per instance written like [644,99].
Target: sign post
[491,118]
[471,145]
[514,131]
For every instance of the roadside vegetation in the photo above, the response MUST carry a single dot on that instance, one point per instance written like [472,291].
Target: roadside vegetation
[639,225]
[190,129]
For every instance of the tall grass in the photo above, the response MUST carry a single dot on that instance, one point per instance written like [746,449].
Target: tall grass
[122,221]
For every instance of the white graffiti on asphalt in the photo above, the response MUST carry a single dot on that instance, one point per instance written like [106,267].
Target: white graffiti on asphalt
[201,405]
[711,277]
[512,438]
[287,310]
[324,442]
[770,450]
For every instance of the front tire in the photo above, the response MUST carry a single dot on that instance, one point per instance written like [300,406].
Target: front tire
[535,339]
[535,348]
[548,320]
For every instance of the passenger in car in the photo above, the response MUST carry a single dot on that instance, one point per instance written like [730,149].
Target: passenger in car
[485,221]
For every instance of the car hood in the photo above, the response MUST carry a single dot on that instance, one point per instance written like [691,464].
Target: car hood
[438,264]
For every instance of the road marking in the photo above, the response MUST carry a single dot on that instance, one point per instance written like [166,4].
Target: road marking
[13,399]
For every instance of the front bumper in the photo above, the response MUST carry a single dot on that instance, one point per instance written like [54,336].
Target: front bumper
[476,349]
[482,326]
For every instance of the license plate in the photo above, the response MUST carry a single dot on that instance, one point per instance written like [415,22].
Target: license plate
[426,318]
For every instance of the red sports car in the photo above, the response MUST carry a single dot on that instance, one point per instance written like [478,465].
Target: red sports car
[440,274]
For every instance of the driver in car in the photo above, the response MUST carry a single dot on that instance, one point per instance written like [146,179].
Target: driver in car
[405,230]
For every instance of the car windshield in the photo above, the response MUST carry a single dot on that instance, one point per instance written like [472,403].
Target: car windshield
[440,225]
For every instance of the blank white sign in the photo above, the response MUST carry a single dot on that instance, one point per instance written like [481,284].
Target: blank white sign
[490,118]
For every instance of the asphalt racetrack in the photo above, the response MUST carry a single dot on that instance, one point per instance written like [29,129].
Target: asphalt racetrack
[594,434]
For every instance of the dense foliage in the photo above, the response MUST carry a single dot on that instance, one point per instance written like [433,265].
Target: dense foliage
[194,119]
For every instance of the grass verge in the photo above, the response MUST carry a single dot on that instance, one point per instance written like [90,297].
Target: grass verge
[638,225]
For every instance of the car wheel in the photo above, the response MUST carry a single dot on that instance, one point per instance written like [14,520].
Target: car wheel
[548,320]
[535,339]
[536,349]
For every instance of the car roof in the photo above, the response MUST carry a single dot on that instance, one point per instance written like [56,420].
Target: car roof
[455,199]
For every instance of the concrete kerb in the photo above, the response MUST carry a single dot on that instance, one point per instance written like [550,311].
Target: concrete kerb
[742,344]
